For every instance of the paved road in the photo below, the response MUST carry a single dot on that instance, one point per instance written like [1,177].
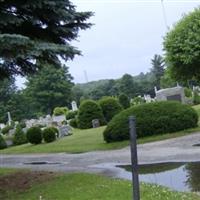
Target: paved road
[178,149]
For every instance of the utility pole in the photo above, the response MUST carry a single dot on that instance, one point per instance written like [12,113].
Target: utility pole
[134,158]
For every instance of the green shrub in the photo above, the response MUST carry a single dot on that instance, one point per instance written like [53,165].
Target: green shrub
[73,123]
[196,98]
[188,92]
[34,135]
[88,111]
[3,144]
[124,101]
[110,107]
[49,134]
[19,136]
[137,100]
[22,124]
[71,114]
[60,111]
[55,130]
[6,129]
[153,118]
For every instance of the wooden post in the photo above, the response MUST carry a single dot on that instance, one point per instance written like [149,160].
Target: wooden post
[134,158]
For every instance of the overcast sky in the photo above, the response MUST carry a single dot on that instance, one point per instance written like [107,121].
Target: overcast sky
[125,36]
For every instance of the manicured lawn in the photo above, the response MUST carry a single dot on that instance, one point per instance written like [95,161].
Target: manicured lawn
[84,141]
[5,171]
[84,187]
[80,141]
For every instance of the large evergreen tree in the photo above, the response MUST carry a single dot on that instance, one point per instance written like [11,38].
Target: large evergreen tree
[49,88]
[36,33]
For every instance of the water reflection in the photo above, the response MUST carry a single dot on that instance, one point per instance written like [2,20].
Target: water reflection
[177,176]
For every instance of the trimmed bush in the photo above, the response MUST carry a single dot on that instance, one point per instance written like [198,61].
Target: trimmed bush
[188,92]
[110,107]
[73,123]
[153,118]
[196,98]
[3,144]
[6,129]
[71,114]
[49,134]
[34,135]
[19,136]
[60,111]
[22,124]
[55,130]
[88,111]
[124,101]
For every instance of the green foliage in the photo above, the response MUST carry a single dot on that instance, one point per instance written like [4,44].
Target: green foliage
[182,47]
[137,100]
[49,88]
[33,31]
[19,136]
[60,111]
[128,86]
[151,119]
[124,101]
[71,114]
[188,92]
[7,89]
[34,135]
[6,129]
[110,107]
[22,124]
[73,123]
[196,98]
[166,81]
[88,111]
[49,134]
[3,144]
[157,69]
[133,86]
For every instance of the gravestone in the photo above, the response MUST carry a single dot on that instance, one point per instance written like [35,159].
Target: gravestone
[74,106]
[95,123]
[64,130]
[171,94]
[9,119]
[59,119]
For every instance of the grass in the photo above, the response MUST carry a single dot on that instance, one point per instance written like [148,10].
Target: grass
[6,171]
[85,141]
[87,186]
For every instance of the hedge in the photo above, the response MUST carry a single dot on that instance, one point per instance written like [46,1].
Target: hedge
[49,134]
[3,144]
[152,118]
[19,136]
[88,111]
[124,101]
[110,107]
[34,135]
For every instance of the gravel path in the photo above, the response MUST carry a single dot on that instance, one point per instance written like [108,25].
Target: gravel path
[178,149]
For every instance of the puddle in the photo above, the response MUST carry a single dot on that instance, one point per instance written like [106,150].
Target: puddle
[42,163]
[177,176]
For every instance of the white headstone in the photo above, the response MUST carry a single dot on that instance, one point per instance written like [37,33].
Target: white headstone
[9,119]
[74,106]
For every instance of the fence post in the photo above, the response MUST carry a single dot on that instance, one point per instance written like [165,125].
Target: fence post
[134,158]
